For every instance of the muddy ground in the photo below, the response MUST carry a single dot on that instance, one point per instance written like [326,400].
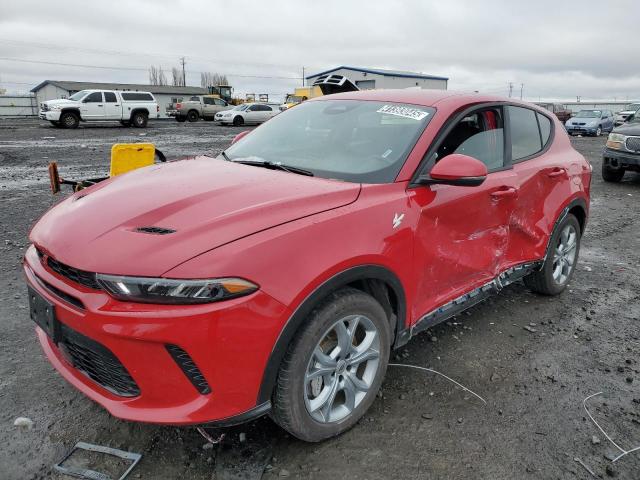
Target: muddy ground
[534,381]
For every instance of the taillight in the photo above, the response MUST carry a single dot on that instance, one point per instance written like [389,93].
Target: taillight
[178,106]
[157,108]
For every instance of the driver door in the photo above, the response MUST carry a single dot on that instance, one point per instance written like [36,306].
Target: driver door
[93,107]
[463,232]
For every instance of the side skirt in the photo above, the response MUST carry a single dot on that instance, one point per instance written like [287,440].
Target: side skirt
[468,300]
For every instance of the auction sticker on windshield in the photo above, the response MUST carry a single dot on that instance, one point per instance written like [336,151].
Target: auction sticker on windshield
[406,112]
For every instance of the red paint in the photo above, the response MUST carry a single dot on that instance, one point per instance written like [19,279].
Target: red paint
[287,233]
[457,166]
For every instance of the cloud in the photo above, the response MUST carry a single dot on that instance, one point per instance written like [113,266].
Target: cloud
[556,49]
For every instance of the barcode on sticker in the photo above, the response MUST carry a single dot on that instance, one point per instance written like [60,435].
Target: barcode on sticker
[406,112]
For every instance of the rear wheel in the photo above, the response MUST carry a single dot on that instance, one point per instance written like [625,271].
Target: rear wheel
[333,368]
[193,116]
[69,120]
[139,119]
[238,121]
[613,175]
[561,260]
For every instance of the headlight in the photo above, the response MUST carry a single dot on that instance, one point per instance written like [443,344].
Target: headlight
[615,141]
[174,291]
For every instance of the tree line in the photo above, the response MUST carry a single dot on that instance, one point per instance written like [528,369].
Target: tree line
[157,76]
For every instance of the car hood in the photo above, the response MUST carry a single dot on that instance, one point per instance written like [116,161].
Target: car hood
[207,202]
[61,101]
[628,129]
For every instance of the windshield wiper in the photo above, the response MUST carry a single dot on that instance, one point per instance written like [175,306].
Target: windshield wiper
[273,166]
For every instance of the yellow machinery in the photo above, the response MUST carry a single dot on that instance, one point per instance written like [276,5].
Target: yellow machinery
[301,94]
[124,158]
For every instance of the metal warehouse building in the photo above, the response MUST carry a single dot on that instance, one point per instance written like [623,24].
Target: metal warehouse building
[369,78]
[165,94]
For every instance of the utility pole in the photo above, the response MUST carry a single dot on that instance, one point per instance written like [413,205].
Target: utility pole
[184,77]
[521,90]
[510,89]
[303,76]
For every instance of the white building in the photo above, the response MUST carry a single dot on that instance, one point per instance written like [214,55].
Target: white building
[165,94]
[369,78]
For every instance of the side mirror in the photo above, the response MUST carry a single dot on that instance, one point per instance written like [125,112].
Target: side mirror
[240,136]
[456,169]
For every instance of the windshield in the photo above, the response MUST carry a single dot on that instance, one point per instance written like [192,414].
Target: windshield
[588,114]
[356,141]
[79,95]
[293,99]
[241,107]
[632,107]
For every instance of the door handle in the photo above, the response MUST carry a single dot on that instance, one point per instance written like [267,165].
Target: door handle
[505,192]
[99,105]
[556,172]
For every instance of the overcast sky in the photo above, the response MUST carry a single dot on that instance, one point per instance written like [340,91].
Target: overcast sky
[557,49]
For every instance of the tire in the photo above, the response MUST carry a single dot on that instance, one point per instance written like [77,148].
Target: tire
[613,175]
[238,121]
[139,119]
[181,119]
[125,123]
[295,395]
[193,116]
[549,280]
[598,132]
[69,120]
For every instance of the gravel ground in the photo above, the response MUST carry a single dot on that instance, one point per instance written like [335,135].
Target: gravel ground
[585,341]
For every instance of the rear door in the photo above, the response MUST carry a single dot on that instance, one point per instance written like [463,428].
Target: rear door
[112,106]
[208,107]
[543,182]
[93,107]
[463,232]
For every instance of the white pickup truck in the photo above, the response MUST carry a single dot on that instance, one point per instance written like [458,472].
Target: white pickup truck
[127,107]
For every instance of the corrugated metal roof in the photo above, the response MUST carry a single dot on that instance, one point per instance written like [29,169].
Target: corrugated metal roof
[380,71]
[77,86]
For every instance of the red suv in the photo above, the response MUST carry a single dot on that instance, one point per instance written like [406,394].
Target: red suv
[278,277]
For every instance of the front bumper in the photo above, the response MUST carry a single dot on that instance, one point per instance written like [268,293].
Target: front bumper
[230,342]
[51,115]
[581,130]
[620,159]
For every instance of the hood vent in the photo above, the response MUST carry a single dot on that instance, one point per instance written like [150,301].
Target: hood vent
[155,230]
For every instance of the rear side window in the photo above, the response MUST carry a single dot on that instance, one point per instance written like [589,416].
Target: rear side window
[110,97]
[133,96]
[525,135]
[545,128]
[208,101]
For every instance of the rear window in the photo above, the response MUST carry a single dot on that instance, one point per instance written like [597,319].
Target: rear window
[140,96]
[545,128]
[525,136]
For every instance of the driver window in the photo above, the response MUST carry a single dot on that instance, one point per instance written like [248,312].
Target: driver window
[479,135]
[95,97]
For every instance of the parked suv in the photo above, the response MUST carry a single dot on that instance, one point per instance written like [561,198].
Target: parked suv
[622,151]
[248,113]
[198,106]
[129,108]
[559,110]
[628,111]
[590,122]
[278,277]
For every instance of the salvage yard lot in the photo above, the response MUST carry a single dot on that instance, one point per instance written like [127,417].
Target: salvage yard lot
[585,341]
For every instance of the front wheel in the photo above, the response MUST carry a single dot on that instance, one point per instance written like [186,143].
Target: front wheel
[334,367]
[69,120]
[613,175]
[598,131]
[561,259]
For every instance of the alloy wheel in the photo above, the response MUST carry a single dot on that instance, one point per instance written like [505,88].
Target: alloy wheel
[342,369]
[564,257]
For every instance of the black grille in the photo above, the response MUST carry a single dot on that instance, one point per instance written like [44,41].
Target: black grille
[98,363]
[633,144]
[155,230]
[59,293]
[190,369]
[82,277]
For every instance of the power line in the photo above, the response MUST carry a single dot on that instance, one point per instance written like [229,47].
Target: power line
[135,69]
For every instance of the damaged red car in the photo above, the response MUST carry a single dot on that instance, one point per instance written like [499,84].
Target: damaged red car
[278,277]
